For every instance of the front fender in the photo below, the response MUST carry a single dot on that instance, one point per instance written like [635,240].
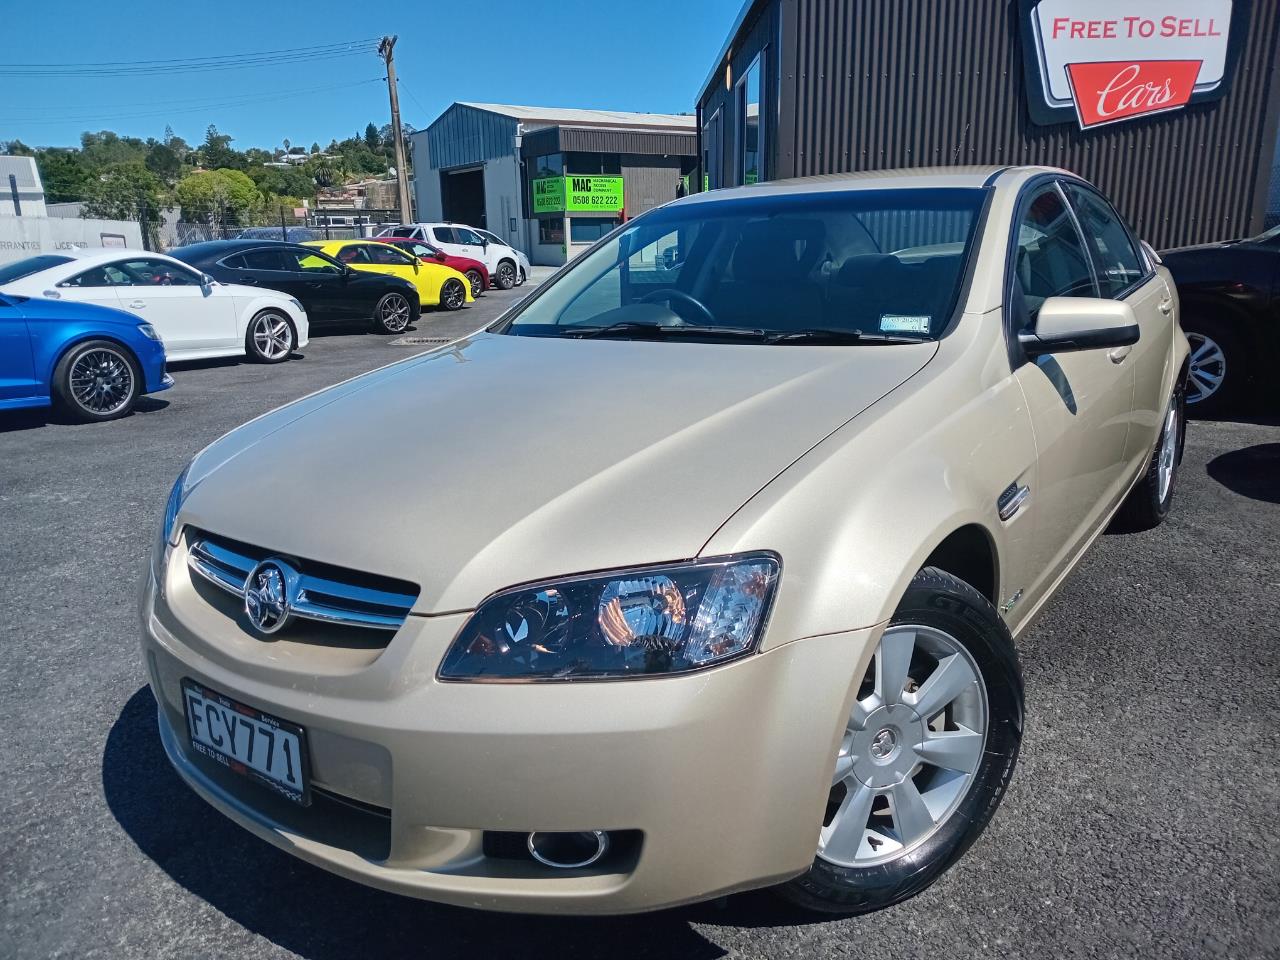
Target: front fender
[858,516]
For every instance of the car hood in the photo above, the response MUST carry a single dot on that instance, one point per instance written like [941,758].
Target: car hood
[499,460]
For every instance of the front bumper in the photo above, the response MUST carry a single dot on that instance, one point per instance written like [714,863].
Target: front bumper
[722,776]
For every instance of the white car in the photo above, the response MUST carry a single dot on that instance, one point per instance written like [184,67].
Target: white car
[507,266]
[196,316]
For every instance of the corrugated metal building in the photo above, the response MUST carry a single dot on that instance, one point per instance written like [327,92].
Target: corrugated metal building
[807,87]
[483,163]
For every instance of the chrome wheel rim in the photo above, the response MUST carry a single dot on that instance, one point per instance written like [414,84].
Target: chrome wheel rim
[474,279]
[506,276]
[1168,455]
[454,295]
[101,381]
[911,748]
[272,336]
[395,313]
[1207,369]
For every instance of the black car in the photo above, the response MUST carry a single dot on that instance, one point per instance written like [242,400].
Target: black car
[1230,295]
[329,291]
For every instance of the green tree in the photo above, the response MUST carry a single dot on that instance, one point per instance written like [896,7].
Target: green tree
[216,151]
[327,171]
[106,148]
[290,182]
[16,148]
[218,196]
[64,175]
[128,191]
[372,139]
[315,148]
[163,162]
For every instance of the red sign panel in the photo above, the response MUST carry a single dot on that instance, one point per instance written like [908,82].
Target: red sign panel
[1119,89]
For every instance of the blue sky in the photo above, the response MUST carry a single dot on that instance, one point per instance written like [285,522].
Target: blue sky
[646,55]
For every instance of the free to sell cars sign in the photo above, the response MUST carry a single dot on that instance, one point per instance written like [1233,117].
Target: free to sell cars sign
[1105,61]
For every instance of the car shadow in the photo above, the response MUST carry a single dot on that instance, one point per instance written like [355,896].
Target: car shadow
[1252,472]
[37,417]
[324,917]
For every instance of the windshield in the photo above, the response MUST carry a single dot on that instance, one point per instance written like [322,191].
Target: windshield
[25,268]
[861,264]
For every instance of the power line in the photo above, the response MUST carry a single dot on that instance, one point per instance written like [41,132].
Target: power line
[329,51]
[200,108]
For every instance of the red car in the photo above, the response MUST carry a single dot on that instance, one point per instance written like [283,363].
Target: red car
[476,272]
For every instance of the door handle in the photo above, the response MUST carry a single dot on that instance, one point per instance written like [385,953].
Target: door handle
[252,280]
[136,304]
[1166,306]
[1118,354]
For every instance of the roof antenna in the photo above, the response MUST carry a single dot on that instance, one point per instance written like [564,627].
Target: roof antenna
[959,146]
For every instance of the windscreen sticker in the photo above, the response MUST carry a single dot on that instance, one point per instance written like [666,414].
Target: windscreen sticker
[902,323]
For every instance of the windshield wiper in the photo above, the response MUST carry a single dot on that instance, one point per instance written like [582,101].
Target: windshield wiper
[658,331]
[825,335]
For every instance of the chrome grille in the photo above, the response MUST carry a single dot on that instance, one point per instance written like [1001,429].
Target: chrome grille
[323,593]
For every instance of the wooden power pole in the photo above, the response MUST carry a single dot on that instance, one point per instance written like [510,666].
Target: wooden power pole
[386,48]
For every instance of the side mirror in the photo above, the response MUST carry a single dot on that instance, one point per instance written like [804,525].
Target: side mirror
[415,264]
[206,280]
[1080,323]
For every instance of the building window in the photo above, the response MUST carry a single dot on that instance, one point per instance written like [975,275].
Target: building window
[579,162]
[711,152]
[551,231]
[750,130]
[590,229]
[548,165]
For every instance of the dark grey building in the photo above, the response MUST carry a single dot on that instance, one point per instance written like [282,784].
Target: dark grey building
[1172,112]
[549,180]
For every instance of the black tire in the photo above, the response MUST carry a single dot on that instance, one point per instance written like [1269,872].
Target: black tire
[937,599]
[505,277]
[266,341]
[1203,332]
[115,363]
[393,313]
[453,294]
[1147,505]
[476,281]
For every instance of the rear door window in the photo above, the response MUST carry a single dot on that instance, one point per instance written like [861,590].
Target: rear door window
[266,259]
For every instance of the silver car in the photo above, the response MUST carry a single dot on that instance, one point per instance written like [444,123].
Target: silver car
[719,547]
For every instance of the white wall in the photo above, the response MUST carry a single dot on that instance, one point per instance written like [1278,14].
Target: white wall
[502,199]
[22,237]
[426,181]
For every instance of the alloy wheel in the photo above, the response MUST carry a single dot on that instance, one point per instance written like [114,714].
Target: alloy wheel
[477,287]
[272,336]
[453,295]
[911,748]
[1207,369]
[506,276]
[102,381]
[395,313]
[1168,458]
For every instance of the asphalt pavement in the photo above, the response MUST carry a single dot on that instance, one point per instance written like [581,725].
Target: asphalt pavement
[1141,821]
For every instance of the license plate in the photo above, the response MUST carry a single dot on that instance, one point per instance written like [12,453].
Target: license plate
[247,741]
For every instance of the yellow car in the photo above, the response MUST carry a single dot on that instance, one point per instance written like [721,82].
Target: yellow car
[438,285]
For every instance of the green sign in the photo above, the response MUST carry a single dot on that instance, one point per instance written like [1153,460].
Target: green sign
[578,193]
[548,195]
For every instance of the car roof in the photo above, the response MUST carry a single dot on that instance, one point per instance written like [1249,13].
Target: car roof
[90,256]
[908,178]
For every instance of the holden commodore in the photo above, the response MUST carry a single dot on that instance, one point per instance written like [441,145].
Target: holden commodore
[715,580]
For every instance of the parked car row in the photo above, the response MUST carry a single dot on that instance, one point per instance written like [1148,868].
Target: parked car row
[83,328]
[505,264]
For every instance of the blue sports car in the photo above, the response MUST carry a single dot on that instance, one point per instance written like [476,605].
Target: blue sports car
[93,362]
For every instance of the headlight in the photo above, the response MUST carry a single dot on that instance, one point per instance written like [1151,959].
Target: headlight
[631,623]
[148,331]
[168,533]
